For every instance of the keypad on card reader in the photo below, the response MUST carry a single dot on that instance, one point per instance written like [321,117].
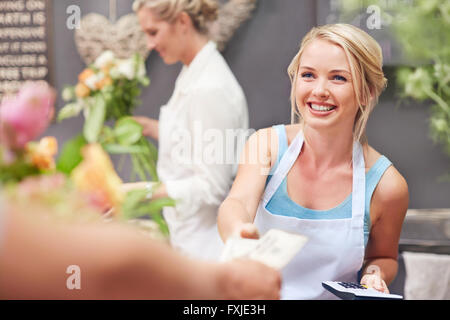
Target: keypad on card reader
[351,285]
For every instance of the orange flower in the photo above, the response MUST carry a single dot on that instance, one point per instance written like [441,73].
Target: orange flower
[42,154]
[82,90]
[85,74]
[96,177]
[106,69]
[106,81]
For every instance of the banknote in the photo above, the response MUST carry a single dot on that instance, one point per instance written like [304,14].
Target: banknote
[237,247]
[275,248]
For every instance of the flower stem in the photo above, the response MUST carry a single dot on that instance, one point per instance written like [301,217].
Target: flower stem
[444,106]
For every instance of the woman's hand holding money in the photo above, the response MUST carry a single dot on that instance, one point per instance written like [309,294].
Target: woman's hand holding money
[246,230]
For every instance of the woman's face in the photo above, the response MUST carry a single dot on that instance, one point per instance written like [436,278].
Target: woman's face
[324,94]
[162,36]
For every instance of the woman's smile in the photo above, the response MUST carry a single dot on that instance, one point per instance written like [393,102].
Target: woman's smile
[321,109]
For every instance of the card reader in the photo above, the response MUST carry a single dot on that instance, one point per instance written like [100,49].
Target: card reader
[356,291]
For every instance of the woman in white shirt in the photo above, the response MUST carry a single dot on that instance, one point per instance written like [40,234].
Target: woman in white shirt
[197,126]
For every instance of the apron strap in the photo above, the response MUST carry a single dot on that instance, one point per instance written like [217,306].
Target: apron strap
[358,189]
[285,164]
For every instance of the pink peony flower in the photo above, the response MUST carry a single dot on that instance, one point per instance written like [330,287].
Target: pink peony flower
[26,116]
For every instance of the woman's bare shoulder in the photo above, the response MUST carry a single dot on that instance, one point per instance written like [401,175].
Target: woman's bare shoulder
[391,193]
[265,140]
[261,143]
[393,185]
[370,156]
[291,131]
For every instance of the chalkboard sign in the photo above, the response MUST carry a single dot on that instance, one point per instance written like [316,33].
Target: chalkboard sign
[25,46]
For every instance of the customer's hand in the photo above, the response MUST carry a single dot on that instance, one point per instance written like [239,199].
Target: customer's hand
[247,280]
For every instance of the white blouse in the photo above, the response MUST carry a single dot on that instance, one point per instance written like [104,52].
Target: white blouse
[198,153]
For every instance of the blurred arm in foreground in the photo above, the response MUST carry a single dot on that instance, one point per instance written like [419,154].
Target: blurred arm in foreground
[115,263]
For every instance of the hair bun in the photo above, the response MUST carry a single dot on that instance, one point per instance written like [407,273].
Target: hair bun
[209,9]
[200,11]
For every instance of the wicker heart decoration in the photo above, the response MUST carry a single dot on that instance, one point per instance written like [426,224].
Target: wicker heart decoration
[97,34]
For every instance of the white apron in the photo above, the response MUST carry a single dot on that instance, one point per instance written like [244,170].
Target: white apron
[335,249]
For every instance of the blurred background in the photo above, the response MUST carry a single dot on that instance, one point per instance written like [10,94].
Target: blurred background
[259,54]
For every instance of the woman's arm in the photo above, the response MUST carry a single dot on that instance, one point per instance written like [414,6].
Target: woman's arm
[115,263]
[237,212]
[389,205]
[150,126]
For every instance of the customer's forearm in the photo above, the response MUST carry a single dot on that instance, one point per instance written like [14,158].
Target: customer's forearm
[115,262]
[150,270]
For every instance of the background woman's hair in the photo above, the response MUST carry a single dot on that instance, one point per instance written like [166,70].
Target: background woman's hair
[201,12]
[365,58]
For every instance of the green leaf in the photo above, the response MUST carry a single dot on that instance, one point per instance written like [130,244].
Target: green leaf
[70,155]
[68,93]
[158,218]
[151,149]
[136,206]
[70,110]
[418,84]
[145,81]
[127,131]
[95,119]
[148,165]
[157,204]
[131,202]
[138,168]
[17,171]
[107,135]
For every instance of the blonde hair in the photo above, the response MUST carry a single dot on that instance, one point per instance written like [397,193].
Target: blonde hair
[366,61]
[201,12]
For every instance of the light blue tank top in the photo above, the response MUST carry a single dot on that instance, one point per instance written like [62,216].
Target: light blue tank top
[282,204]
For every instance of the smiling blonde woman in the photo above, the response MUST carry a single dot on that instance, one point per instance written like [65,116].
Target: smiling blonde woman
[319,177]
